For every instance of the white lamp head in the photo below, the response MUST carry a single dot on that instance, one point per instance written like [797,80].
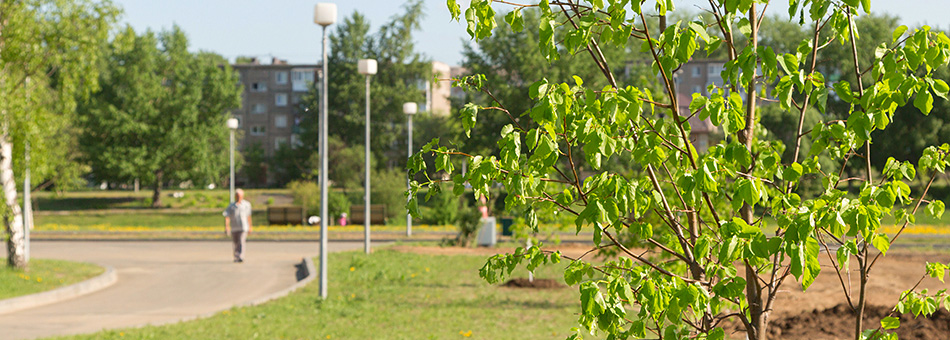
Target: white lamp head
[410,108]
[232,123]
[324,14]
[367,66]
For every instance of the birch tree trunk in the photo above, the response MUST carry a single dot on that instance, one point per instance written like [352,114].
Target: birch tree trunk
[13,219]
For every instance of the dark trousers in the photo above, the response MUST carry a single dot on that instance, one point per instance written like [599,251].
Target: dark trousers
[239,238]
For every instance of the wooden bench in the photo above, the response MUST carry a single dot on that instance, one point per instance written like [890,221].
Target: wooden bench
[281,215]
[377,214]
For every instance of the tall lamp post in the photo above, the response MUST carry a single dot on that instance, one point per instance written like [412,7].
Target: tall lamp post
[324,14]
[232,125]
[409,109]
[366,67]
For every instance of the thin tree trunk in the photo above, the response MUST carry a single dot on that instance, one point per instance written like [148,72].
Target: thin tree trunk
[758,316]
[157,193]
[13,220]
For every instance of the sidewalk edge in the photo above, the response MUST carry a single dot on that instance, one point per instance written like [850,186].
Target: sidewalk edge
[106,279]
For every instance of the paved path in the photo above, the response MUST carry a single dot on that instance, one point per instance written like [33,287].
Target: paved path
[161,282]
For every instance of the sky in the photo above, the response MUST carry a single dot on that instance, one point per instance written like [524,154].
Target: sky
[285,28]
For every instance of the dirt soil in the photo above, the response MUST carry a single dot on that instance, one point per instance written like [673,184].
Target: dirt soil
[838,323]
[536,284]
[822,312]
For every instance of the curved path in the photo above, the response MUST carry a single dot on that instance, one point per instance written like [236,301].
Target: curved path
[161,282]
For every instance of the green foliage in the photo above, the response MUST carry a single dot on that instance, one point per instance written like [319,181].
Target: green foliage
[159,116]
[401,73]
[307,195]
[701,213]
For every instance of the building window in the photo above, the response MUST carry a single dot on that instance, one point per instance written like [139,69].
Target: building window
[715,69]
[697,71]
[280,77]
[295,99]
[280,99]
[258,130]
[280,121]
[259,108]
[258,87]
[302,76]
[279,142]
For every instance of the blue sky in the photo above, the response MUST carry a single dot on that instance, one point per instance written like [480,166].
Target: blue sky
[285,29]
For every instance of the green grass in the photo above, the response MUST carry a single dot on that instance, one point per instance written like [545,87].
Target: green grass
[126,199]
[43,275]
[203,219]
[390,295]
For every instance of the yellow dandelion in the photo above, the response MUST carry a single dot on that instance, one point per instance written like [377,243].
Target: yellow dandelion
[413,275]
[121,333]
[328,336]
[39,279]
[468,334]
[462,333]
[427,269]
[353,296]
[352,269]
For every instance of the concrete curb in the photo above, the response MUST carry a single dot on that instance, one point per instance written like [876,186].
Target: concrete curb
[106,279]
[308,276]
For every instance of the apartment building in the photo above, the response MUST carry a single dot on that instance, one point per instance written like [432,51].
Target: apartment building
[270,114]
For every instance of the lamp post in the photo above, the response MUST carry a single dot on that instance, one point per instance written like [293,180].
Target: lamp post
[232,125]
[366,67]
[324,14]
[409,109]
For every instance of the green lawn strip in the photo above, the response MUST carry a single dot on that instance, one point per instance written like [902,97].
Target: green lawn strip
[391,295]
[43,275]
[201,219]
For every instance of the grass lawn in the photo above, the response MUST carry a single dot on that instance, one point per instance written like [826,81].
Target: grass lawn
[391,295]
[126,199]
[149,220]
[43,275]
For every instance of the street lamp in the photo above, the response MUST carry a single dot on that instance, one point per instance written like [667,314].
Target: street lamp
[409,109]
[232,125]
[366,67]
[324,14]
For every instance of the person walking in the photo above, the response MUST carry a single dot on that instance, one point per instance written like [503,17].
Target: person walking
[237,223]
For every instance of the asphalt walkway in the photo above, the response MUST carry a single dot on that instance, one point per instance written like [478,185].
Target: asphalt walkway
[161,282]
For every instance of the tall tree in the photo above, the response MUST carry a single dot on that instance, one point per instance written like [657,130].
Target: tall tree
[401,73]
[160,114]
[48,53]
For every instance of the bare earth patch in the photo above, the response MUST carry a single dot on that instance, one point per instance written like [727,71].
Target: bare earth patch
[822,312]
[536,284]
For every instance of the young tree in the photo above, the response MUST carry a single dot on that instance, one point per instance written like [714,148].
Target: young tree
[711,258]
[48,52]
[160,115]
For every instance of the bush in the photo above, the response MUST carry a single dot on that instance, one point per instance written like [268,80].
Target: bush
[388,187]
[307,194]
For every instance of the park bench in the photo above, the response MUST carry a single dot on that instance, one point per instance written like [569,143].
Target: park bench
[278,215]
[377,214]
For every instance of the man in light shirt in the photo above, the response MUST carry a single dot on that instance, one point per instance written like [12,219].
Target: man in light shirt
[238,216]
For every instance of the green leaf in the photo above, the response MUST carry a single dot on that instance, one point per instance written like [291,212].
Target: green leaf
[890,322]
[716,333]
[515,20]
[936,270]
[843,90]
[881,242]
[454,9]
[844,258]
[793,172]
[468,114]
[941,88]
[924,101]
[898,32]
[936,208]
